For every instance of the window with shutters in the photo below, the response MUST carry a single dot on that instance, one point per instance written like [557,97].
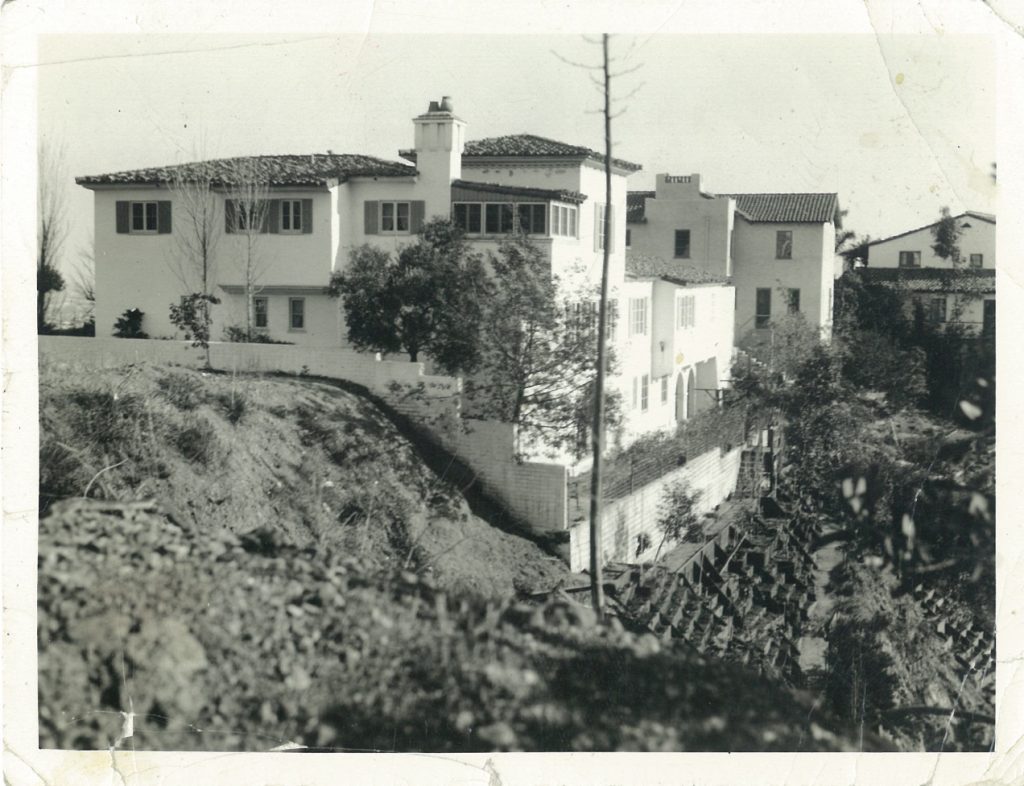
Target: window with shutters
[394,218]
[143,218]
[686,312]
[259,312]
[611,320]
[291,215]
[763,308]
[296,313]
[243,215]
[645,384]
[784,244]
[682,245]
[599,227]
[638,316]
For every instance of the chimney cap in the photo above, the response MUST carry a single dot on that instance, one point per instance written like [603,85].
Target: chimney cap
[444,105]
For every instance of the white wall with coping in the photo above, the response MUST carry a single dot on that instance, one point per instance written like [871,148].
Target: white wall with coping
[713,474]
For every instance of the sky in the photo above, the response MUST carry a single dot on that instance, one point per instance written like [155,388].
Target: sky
[899,126]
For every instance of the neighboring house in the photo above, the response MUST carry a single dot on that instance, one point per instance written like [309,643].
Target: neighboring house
[961,291]
[323,205]
[777,250]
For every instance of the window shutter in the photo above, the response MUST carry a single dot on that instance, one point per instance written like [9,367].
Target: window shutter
[611,229]
[229,216]
[417,212]
[370,217]
[598,228]
[263,209]
[163,217]
[121,215]
[307,216]
[274,216]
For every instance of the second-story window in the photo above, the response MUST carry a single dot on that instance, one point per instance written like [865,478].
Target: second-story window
[682,246]
[686,312]
[532,218]
[638,316]
[394,217]
[291,215]
[784,244]
[468,216]
[499,218]
[793,298]
[910,259]
[143,217]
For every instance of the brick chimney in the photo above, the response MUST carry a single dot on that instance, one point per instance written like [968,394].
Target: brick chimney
[440,140]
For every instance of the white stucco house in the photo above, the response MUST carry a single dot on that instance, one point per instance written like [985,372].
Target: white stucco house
[961,291]
[673,334]
[775,249]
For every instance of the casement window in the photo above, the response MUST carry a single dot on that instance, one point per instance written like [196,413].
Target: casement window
[763,308]
[664,389]
[296,313]
[393,218]
[531,217]
[468,216]
[793,300]
[600,211]
[784,244]
[976,260]
[682,245]
[638,316]
[563,220]
[291,216]
[259,312]
[910,259]
[686,312]
[937,309]
[499,218]
[645,384]
[142,218]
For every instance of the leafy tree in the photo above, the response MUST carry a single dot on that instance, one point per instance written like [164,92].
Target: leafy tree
[677,514]
[537,347]
[429,300]
[946,233]
[192,316]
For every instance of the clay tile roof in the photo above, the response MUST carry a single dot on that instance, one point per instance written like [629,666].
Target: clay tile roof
[787,208]
[531,146]
[280,170]
[968,214]
[932,279]
[645,266]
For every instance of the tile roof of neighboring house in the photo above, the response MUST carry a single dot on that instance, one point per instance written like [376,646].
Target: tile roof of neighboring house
[532,146]
[932,279]
[787,208]
[969,213]
[766,208]
[562,195]
[645,266]
[283,170]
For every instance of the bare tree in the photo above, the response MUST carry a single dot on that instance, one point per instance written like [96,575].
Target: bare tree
[52,227]
[197,229]
[83,282]
[248,209]
[604,85]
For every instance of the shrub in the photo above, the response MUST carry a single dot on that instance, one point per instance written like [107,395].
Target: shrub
[677,515]
[198,443]
[129,324]
[183,391]
[234,405]
[237,335]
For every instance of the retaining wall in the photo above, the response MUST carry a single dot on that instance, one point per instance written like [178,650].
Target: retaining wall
[623,520]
